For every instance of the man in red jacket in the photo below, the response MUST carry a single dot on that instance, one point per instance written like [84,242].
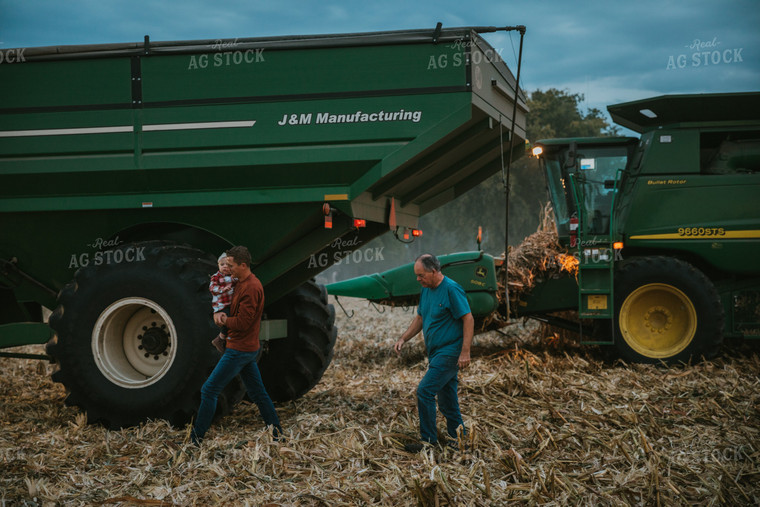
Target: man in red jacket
[242,350]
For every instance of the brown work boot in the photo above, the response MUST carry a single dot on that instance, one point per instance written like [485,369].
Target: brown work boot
[220,343]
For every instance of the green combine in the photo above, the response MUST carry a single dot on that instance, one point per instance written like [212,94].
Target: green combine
[125,169]
[666,230]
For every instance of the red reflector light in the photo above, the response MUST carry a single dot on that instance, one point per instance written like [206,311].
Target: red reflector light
[416,233]
[328,222]
[360,222]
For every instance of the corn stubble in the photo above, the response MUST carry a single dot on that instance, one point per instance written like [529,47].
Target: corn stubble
[551,423]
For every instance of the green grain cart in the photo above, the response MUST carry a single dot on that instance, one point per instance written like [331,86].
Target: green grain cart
[665,228]
[126,169]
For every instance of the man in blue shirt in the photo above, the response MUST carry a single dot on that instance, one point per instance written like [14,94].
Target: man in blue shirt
[445,319]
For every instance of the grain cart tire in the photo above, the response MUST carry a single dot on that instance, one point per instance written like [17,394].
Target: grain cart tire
[667,310]
[133,337]
[291,366]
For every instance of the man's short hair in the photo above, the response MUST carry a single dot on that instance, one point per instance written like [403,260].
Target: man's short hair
[240,255]
[429,262]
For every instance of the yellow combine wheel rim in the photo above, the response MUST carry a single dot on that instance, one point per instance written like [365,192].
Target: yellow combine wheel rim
[658,320]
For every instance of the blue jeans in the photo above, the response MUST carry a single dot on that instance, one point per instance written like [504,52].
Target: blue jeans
[232,363]
[440,380]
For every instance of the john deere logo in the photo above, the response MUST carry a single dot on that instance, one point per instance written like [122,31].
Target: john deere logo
[481,272]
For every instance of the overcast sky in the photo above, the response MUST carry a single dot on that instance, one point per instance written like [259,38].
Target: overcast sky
[608,50]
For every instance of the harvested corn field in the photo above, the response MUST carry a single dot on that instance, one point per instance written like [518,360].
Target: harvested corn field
[550,423]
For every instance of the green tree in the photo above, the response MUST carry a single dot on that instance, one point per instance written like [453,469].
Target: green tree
[557,113]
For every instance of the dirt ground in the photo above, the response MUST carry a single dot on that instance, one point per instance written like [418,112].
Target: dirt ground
[551,423]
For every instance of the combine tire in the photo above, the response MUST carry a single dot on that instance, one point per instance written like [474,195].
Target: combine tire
[667,311]
[291,366]
[133,337]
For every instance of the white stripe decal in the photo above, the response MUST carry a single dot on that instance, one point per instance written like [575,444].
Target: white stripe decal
[197,126]
[66,132]
[128,128]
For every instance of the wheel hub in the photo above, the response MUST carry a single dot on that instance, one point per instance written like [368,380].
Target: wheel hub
[657,320]
[134,342]
[154,340]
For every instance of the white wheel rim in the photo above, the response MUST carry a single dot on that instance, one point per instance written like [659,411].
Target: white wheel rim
[134,342]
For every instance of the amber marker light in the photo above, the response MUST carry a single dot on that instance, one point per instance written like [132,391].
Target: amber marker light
[328,215]
[617,245]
